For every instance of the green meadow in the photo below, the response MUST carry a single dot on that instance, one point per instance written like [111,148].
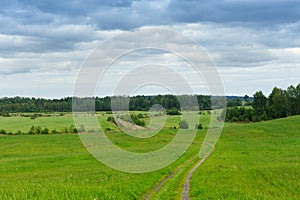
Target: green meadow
[250,161]
[253,161]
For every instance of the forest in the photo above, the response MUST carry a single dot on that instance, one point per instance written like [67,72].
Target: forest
[136,103]
[280,103]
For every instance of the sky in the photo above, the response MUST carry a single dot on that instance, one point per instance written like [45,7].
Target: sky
[255,45]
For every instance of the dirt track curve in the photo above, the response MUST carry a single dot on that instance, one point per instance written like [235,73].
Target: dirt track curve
[186,186]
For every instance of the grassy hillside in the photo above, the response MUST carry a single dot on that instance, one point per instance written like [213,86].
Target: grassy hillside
[253,161]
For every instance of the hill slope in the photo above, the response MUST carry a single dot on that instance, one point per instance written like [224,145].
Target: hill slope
[253,161]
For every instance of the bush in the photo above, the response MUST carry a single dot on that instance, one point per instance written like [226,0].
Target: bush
[37,130]
[34,116]
[111,119]
[199,126]
[45,131]
[183,124]
[2,131]
[141,115]
[140,122]
[31,130]
[173,112]
[133,118]
[81,129]
[71,129]
[5,114]
[137,121]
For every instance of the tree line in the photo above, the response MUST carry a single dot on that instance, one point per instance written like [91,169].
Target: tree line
[37,130]
[136,103]
[280,103]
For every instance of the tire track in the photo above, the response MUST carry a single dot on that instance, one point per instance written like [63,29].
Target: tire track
[186,186]
[161,183]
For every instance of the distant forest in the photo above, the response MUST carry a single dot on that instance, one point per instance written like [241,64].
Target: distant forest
[141,103]
[280,103]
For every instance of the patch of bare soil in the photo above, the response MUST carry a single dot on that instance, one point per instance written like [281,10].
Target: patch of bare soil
[130,126]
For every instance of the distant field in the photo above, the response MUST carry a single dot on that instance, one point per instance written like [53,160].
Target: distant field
[251,161]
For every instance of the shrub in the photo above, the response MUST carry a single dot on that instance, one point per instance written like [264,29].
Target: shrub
[5,114]
[140,122]
[35,115]
[45,131]
[35,130]
[2,131]
[199,126]
[81,129]
[173,112]
[31,130]
[111,119]
[183,124]
[141,115]
[71,129]
[133,118]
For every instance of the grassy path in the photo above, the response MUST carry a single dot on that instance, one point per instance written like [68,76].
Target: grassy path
[171,176]
[186,186]
[160,184]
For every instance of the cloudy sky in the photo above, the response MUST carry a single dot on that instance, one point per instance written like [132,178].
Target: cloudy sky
[254,44]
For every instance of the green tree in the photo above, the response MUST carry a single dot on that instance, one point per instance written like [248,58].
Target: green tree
[260,103]
[234,102]
[247,100]
[278,103]
[294,99]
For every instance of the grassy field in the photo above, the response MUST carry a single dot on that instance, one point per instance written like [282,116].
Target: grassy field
[251,161]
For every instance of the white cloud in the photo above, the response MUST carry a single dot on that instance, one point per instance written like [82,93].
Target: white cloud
[51,41]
